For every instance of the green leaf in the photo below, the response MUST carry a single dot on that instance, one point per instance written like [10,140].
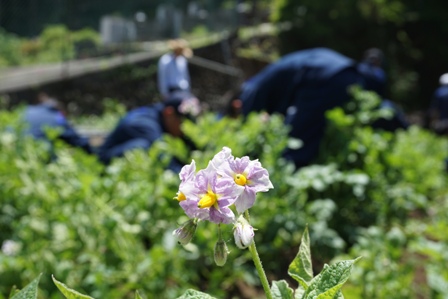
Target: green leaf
[28,292]
[69,293]
[301,267]
[192,294]
[332,293]
[329,282]
[137,295]
[299,293]
[13,291]
[281,290]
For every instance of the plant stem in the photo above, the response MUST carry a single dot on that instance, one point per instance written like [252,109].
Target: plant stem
[258,265]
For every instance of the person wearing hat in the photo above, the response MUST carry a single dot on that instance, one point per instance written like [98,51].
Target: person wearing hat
[141,127]
[438,109]
[172,73]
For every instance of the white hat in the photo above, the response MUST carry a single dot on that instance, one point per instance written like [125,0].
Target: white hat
[444,79]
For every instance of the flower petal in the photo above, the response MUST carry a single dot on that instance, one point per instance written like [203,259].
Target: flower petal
[245,201]
[223,215]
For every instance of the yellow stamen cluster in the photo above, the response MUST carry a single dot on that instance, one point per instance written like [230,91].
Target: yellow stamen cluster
[240,179]
[208,200]
[180,196]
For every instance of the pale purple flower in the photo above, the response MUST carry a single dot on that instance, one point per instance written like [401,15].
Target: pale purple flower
[187,172]
[243,233]
[223,156]
[187,192]
[187,175]
[191,209]
[212,197]
[250,175]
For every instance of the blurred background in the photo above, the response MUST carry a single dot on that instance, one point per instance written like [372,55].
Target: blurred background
[36,32]
[107,231]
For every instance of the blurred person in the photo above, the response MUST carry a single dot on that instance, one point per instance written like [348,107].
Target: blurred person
[48,112]
[142,126]
[172,72]
[371,67]
[438,109]
[233,106]
[302,86]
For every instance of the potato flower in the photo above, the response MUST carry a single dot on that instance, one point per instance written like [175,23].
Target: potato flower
[207,195]
[248,174]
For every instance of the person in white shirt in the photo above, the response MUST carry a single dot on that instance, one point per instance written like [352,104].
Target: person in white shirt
[172,73]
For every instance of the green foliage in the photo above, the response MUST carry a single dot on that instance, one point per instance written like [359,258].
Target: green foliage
[56,38]
[192,294]
[393,187]
[107,231]
[113,111]
[56,43]
[197,31]
[9,54]
[69,293]
[325,285]
[29,291]
[301,268]
[384,263]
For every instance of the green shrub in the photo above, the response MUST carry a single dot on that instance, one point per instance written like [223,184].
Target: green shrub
[107,231]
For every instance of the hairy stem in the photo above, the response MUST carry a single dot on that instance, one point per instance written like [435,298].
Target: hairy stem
[258,265]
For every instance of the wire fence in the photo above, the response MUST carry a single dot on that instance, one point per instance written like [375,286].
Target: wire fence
[116,23]
[115,28]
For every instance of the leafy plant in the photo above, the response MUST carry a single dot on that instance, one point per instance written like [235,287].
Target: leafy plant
[108,230]
[326,284]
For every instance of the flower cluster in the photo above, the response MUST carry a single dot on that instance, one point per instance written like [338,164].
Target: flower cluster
[211,193]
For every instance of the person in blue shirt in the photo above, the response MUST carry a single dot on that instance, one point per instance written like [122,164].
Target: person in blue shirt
[302,86]
[141,127]
[438,109]
[48,112]
[172,69]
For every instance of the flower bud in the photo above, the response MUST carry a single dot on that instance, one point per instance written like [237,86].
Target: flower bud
[221,253]
[243,233]
[186,231]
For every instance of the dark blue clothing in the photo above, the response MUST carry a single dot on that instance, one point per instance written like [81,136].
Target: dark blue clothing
[138,129]
[439,102]
[274,88]
[306,115]
[374,78]
[303,86]
[37,117]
